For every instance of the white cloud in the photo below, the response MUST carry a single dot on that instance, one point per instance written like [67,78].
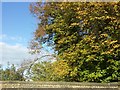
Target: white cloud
[14,54]
[14,38]
[17,54]
[2,36]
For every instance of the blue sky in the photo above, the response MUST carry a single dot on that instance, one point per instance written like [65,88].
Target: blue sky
[17,22]
[18,25]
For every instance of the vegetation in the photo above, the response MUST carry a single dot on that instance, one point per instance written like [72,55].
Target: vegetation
[85,36]
[10,74]
[41,71]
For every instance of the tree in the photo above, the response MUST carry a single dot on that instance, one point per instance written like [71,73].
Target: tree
[10,73]
[48,71]
[85,35]
[41,71]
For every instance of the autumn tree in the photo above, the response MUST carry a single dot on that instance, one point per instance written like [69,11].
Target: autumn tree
[85,35]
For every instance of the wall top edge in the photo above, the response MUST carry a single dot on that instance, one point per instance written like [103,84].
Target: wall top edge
[71,83]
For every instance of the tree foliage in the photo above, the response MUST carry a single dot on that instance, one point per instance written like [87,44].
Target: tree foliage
[41,71]
[48,71]
[10,74]
[86,37]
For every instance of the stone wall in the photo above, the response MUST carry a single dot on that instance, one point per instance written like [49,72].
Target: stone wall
[21,85]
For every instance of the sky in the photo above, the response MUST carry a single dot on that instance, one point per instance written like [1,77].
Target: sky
[17,25]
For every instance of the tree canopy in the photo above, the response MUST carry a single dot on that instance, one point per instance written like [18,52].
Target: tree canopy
[10,74]
[85,35]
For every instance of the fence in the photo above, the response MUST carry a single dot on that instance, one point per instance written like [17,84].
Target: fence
[21,85]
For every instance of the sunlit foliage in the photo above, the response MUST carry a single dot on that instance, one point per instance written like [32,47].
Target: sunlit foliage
[86,37]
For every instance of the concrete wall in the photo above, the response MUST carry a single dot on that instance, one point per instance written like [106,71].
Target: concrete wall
[20,85]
